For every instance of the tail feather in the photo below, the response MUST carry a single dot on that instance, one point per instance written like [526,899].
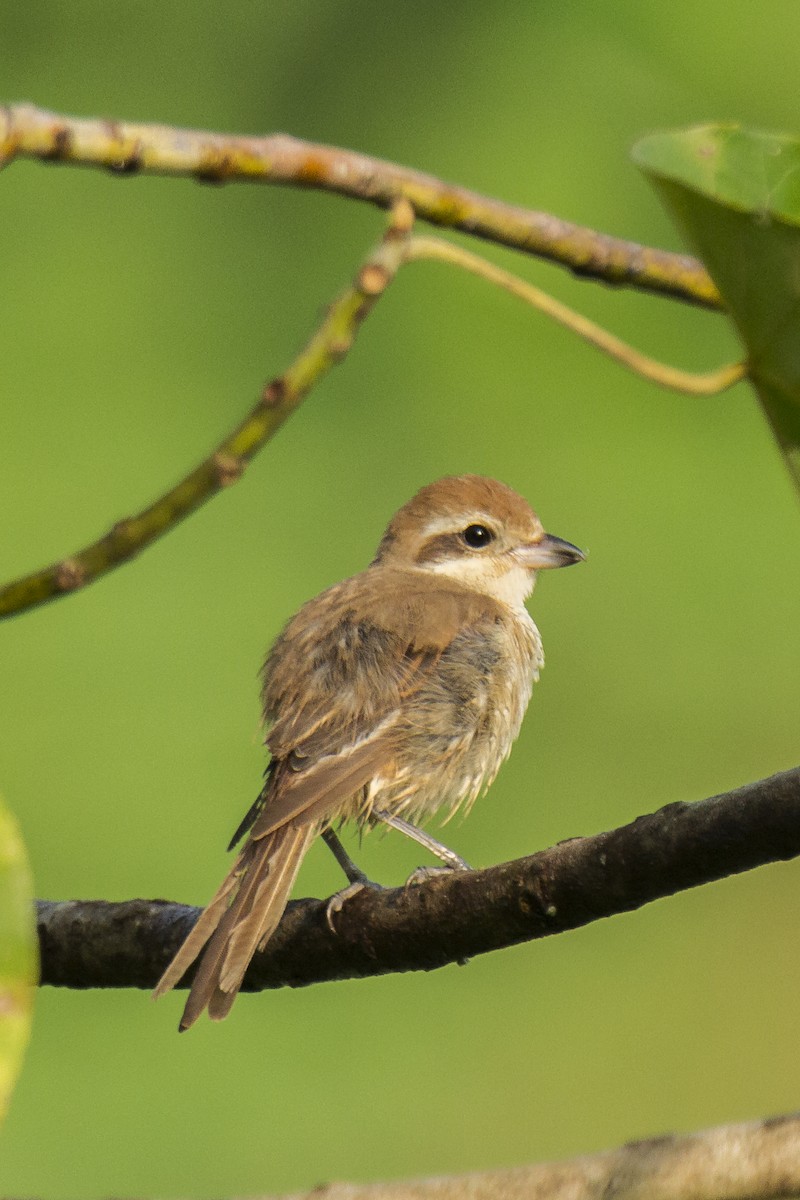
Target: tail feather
[247,907]
[253,931]
[232,929]
[254,928]
[210,965]
[202,930]
[219,1005]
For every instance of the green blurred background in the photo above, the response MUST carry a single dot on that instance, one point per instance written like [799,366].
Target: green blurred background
[140,318]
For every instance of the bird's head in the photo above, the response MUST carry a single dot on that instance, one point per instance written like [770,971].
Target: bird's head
[477,532]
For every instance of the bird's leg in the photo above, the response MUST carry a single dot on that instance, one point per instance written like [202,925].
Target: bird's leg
[451,860]
[358,880]
[354,874]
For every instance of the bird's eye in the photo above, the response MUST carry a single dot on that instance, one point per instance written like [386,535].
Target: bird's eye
[477,536]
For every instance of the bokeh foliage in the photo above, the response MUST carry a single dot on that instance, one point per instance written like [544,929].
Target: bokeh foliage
[140,319]
[735,195]
[18,954]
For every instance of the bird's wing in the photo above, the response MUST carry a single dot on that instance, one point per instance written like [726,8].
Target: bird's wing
[317,792]
[352,656]
[337,680]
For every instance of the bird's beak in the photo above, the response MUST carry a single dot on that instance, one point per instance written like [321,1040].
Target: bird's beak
[551,551]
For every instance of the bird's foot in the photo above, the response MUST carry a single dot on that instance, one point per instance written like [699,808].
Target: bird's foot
[423,874]
[338,901]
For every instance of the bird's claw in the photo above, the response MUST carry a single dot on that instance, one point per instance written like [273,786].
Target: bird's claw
[423,874]
[338,901]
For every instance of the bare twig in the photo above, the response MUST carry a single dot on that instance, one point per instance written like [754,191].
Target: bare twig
[86,944]
[278,400]
[708,383]
[754,1161]
[128,149]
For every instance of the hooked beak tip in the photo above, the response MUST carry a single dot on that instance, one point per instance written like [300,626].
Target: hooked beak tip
[552,552]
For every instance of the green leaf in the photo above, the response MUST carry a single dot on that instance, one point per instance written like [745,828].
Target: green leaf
[18,954]
[735,195]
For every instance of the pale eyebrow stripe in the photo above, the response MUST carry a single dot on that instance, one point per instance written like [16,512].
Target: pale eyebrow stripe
[452,524]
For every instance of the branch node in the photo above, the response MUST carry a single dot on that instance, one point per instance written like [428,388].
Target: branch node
[339,347]
[59,150]
[401,218]
[372,279]
[129,163]
[228,468]
[274,393]
[122,534]
[69,575]
[215,167]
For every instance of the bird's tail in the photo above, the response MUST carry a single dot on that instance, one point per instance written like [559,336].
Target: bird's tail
[239,920]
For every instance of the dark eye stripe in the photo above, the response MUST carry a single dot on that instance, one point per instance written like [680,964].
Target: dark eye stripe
[442,545]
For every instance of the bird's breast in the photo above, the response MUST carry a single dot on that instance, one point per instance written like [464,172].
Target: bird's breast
[459,727]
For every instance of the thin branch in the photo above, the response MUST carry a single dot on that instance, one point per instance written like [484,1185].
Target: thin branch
[29,131]
[278,400]
[450,918]
[754,1161]
[128,149]
[708,383]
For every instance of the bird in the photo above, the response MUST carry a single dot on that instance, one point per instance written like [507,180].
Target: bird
[391,696]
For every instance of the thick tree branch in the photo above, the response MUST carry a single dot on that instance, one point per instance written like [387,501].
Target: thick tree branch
[450,918]
[278,400]
[127,149]
[756,1161]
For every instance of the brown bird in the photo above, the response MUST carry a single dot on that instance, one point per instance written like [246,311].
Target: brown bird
[391,695]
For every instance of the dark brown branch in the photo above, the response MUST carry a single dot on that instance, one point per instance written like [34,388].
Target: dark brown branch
[129,149]
[450,918]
